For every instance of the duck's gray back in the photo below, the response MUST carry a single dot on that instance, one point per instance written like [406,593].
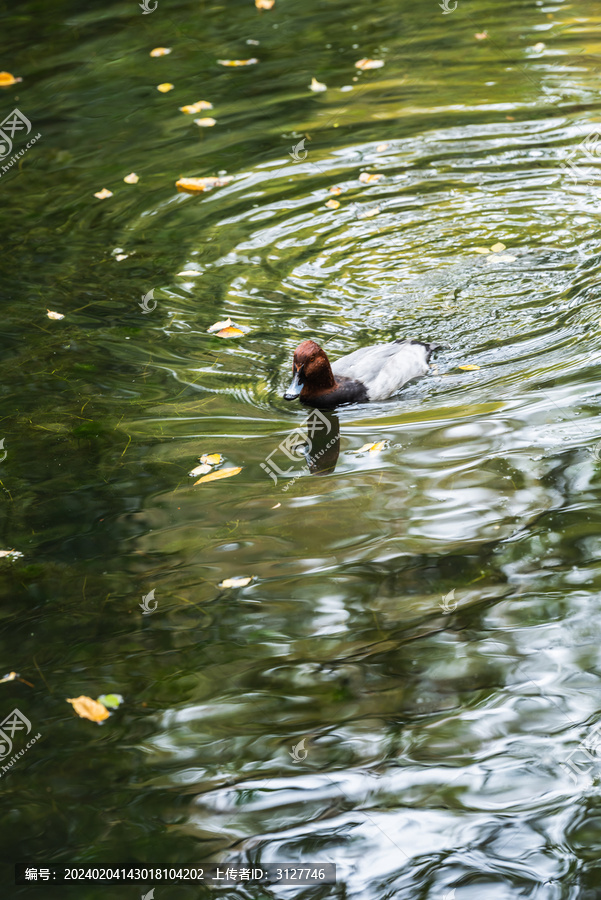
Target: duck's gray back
[384,368]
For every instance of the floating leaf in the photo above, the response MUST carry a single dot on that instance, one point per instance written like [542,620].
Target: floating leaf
[54,315]
[190,272]
[111,701]
[381,147]
[364,64]
[469,368]
[238,62]
[160,51]
[366,178]
[196,107]
[264,4]
[205,123]
[10,677]
[481,35]
[12,554]
[496,248]
[6,79]
[103,194]
[219,325]
[236,582]
[230,331]
[276,506]
[196,185]
[86,708]
[220,473]
[132,178]
[211,459]
[165,87]
[371,448]
[481,250]
[332,204]
[317,86]
[335,190]
[368,213]
[199,470]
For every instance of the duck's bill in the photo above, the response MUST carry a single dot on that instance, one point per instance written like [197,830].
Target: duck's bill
[295,388]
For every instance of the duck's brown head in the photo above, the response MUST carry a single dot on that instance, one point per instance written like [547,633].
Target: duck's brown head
[312,372]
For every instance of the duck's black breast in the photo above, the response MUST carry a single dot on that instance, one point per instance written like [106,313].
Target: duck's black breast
[347,390]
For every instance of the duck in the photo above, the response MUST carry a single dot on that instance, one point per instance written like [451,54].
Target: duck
[371,373]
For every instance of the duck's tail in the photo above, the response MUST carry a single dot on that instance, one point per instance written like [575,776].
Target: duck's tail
[430,348]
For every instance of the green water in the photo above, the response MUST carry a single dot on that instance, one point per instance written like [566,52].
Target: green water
[434,737]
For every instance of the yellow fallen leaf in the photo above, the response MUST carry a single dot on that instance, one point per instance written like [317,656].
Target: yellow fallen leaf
[238,62]
[264,4]
[103,194]
[196,185]
[230,331]
[199,470]
[371,448]
[160,51]
[381,147]
[481,35]
[496,248]
[276,506]
[368,213]
[236,582]
[86,708]
[6,79]
[220,473]
[481,250]
[10,677]
[196,107]
[54,315]
[317,86]
[132,178]
[469,368]
[364,64]
[219,325]
[164,87]
[366,178]
[335,190]
[332,204]
[205,123]
[211,459]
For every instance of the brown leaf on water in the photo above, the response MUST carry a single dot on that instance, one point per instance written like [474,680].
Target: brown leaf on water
[229,332]
[335,190]
[211,459]
[218,326]
[54,315]
[468,368]
[132,178]
[86,708]
[220,473]
[332,204]
[6,79]
[208,122]
[236,582]
[160,51]
[196,185]
[264,4]
[238,62]
[364,64]
[12,676]
[367,178]
[196,107]
[103,194]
